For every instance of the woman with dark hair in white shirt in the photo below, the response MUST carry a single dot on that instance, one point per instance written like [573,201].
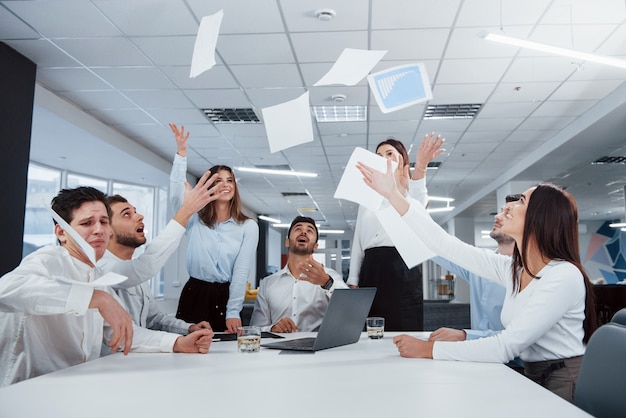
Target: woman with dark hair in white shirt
[374,260]
[548,312]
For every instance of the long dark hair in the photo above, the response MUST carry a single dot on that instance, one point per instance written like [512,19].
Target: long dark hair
[399,146]
[552,220]
[208,214]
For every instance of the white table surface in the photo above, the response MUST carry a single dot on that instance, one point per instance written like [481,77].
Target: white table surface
[367,379]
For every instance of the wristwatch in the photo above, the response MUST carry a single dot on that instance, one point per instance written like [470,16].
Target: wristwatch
[328,284]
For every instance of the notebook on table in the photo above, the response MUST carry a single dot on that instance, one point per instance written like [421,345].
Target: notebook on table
[342,323]
[231,336]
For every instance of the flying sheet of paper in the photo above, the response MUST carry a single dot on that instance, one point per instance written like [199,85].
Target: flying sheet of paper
[351,67]
[411,248]
[352,187]
[288,124]
[400,87]
[204,49]
[86,248]
[109,279]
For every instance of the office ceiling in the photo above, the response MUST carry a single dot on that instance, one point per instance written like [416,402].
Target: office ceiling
[544,117]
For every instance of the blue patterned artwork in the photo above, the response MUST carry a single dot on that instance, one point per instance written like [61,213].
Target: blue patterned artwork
[608,249]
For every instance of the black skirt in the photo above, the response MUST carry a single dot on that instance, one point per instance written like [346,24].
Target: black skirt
[204,301]
[399,298]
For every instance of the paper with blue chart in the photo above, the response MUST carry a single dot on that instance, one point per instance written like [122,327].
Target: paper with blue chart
[400,87]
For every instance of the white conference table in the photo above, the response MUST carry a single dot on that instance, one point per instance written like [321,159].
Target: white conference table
[366,379]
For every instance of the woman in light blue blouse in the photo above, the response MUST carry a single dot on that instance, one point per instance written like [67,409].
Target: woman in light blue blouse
[221,250]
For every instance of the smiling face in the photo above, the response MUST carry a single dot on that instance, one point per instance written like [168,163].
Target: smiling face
[226,185]
[515,215]
[127,225]
[91,222]
[302,239]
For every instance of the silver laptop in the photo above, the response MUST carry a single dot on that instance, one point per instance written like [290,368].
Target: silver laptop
[342,324]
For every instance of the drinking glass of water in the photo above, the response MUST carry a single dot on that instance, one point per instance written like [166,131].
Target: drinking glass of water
[249,339]
[375,327]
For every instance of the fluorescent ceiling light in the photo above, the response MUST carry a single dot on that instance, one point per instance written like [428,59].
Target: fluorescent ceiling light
[440,199]
[268,219]
[279,172]
[331,231]
[340,113]
[618,225]
[583,56]
[443,209]
[288,225]
[484,231]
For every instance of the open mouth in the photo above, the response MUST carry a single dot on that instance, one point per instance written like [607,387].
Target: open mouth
[303,240]
[140,229]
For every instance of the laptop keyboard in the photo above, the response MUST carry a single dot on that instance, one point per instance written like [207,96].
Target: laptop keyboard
[300,343]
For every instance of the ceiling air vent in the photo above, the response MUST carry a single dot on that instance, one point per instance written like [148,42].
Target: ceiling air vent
[610,160]
[452,111]
[289,194]
[222,115]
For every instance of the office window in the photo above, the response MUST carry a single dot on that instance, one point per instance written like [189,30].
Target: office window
[43,184]
[76,180]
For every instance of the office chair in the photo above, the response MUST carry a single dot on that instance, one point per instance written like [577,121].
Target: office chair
[601,383]
[620,317]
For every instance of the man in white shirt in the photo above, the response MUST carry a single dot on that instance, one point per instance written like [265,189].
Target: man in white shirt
[54,315]
[128,234]
[296,297]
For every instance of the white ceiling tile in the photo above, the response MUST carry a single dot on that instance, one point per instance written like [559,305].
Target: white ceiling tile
[262,98]
[425,43]
[326,46]
[502,13]
[459,71]
[43,52]
[402,14]
[484,136]
[103,51]
[564,108]
[178,116]
[523,92]
[70,79]
[394,128]
[550,123]
[167,50]
[461,93]
[615,44]
[93,99]
[258,49]
[595,71]
[497,124]
[127,116]
[135,77]
[241,16]
[444,126]
[338,128]
[149,17]
[512,109]
[322,96]
[585,90]
[14,28]
[213,98]
[238,132]
[64,18]
[581,11]
[267,75]
[158,98]
[217,77]
[531,135]
[534,69]
[300,15]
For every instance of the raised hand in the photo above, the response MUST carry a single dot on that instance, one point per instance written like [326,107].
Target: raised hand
[429,149]
[181,139]
[196,198]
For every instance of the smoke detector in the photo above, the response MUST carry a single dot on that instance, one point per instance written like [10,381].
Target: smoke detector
[325,15]
[338,98]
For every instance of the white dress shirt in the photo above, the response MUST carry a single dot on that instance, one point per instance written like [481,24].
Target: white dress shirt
[542,322]
[369,233]
[282,295]
[45,323]
[143,308]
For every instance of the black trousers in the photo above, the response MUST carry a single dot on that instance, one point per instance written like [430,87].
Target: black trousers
[204,301]
[399,298]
